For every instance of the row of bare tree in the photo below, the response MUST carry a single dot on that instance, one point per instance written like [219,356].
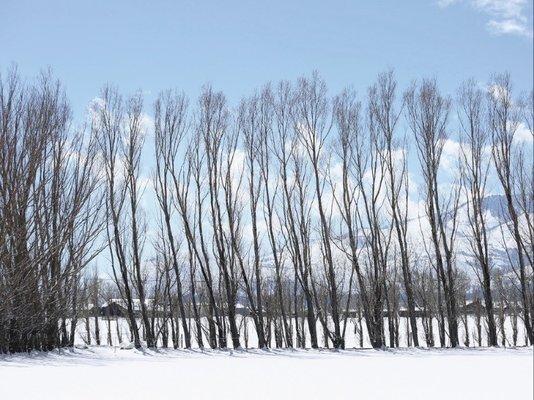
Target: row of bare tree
[297,205]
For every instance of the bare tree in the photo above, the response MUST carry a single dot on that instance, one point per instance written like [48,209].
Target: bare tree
[270,199]
[219,146]
[313,124]
[382,106]
[48,198]
[294,213]
[428,112]
[354,161]
[109,125]
[474,173]
[504,117]
[170,127]
[248,125]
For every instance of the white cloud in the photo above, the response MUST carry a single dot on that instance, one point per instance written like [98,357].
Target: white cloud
[508,26]
[502,8]
[523,135]
[147,124]
[507,17]
[450,156]
[499,92]
[447,3]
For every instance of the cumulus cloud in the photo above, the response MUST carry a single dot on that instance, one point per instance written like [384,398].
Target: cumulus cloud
[508,26]
[447,3]
[450,156]
[507,17]
[523,135]
[499,92]
[502,8]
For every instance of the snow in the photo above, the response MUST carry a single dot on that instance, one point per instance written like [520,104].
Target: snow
[351,337]
[110,373]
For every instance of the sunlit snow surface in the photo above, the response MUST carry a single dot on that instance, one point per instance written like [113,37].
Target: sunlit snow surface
[110,373]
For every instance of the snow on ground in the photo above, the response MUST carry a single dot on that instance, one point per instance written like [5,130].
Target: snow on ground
[110,373]
[352,338]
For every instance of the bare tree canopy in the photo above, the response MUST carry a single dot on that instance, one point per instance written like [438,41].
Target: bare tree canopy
[294,219]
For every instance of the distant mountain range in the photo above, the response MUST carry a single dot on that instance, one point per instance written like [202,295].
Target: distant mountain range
[503,251]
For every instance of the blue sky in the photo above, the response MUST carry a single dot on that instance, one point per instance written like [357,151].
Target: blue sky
[239,45]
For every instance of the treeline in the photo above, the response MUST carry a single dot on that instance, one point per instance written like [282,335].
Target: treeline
[294,203]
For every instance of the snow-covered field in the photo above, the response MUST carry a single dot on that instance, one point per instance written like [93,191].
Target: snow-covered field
[110,373]
[249,339]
